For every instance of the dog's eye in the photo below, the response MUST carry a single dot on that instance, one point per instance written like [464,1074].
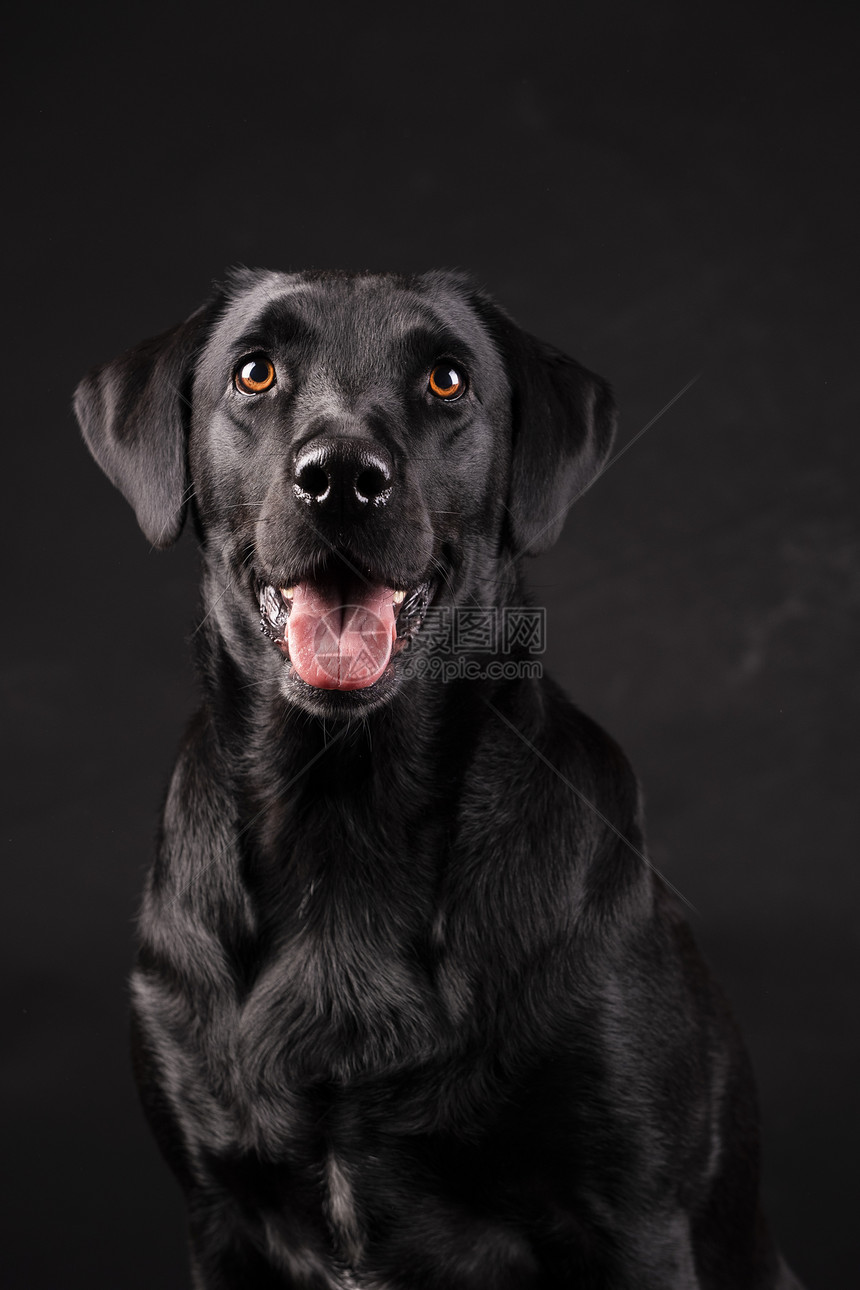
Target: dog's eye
[447,381]
[253,375]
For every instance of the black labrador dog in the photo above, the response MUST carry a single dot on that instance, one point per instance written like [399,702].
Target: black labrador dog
[411,1008]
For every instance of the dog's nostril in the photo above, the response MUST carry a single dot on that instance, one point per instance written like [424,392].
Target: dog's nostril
[313,479]
[371,483]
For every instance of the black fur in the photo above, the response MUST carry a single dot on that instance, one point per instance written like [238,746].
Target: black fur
[411,1009]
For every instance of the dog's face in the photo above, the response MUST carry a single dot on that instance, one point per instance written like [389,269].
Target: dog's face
[354,448]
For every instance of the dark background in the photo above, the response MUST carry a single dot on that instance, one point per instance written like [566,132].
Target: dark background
[662,194]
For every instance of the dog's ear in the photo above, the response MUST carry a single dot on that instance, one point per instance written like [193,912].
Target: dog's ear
[134,415]
[563,427]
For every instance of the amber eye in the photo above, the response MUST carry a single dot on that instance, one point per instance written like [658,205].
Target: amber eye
[253,375]
[447,381]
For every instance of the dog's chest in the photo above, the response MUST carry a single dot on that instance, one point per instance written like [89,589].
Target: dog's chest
[335,1007]
[345,975]
[327,1007]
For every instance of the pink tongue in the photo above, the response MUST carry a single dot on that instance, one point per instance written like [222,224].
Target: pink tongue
[340,646]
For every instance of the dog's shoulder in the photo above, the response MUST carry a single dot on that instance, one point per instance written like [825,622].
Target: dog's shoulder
[195,881]
[543,761]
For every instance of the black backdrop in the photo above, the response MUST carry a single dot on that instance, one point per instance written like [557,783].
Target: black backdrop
[662,194]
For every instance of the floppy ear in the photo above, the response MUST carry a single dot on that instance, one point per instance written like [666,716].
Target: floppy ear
[134,414]
[564,424]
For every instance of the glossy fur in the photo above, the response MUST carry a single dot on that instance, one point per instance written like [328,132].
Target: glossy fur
[410,1011]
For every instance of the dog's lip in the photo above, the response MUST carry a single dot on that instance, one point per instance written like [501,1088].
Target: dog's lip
[288,594]
[281,591]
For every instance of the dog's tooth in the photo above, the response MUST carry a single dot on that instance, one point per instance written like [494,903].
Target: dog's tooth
[399,597]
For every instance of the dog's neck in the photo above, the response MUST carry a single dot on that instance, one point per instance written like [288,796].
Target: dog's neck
[280,755]
[376,787]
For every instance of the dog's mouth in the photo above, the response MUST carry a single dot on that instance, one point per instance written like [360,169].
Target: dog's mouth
[341,633]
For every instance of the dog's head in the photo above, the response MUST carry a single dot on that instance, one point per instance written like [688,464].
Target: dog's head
[353,448]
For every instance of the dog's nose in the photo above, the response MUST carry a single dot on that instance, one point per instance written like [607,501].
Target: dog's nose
[338,473]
